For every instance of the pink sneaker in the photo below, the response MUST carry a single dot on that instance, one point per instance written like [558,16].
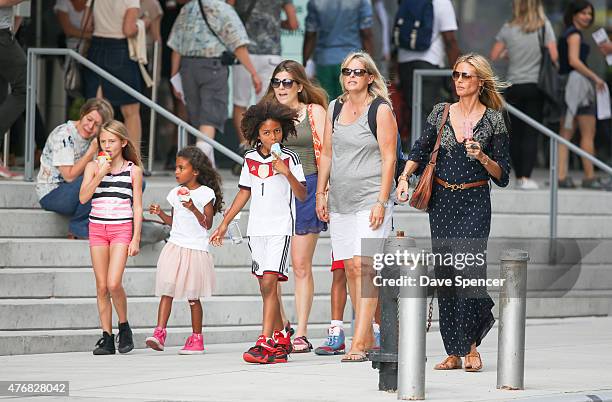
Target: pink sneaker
[157,341]
[193,346]
[5,173]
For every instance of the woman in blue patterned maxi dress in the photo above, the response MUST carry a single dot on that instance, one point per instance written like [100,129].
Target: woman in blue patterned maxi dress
[460,204]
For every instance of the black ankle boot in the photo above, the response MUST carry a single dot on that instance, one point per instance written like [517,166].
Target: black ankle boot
[105,345]
[124,337]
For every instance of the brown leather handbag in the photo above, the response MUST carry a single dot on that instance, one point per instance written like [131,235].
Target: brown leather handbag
[422,192]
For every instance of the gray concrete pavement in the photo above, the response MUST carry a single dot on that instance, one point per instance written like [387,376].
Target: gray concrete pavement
[566,360]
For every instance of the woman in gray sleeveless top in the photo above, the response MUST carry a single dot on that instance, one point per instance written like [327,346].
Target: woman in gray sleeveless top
[359,166]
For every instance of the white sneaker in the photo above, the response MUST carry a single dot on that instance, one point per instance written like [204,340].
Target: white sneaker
[527,184]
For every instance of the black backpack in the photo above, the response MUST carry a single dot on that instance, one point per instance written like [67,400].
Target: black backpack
[413,27]
[401,158]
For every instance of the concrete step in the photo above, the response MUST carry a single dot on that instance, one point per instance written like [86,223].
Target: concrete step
[23,195]
[75,253]
[577,201]
[551,305]
[43,283]
[83,340]
[36,223]
[82,313]
[23,341]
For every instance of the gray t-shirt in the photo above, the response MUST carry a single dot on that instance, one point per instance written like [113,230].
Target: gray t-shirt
[524,51]
[6,17]
[356,173]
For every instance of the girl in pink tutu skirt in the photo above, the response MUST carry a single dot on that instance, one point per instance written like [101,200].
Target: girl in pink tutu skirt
[185,268]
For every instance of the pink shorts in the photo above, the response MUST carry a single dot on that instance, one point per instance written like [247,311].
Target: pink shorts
[105,235]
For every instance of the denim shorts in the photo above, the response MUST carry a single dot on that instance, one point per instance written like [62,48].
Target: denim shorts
[306,215]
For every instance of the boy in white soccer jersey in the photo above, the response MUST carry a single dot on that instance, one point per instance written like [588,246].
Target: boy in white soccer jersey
[271,176]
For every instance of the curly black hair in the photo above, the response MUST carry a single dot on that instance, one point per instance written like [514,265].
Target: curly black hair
[207,175]
[268,110]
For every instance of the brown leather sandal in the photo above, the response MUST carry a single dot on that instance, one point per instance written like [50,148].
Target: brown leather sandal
[450,363]
[470,358]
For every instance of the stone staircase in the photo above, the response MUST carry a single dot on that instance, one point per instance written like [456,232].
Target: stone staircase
[47,288]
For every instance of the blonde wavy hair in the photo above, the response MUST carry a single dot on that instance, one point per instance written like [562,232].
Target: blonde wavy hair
[378,87]
[528,15]
[118,129]
[490,94]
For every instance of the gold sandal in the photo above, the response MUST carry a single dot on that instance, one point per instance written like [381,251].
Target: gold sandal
[450,363]
[470,367]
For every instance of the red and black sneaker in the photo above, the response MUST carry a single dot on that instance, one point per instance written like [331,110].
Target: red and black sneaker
[284,340]
[280,355]
[263,352]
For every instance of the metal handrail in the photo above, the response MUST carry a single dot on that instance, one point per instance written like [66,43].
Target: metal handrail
[31,89]
[417,97]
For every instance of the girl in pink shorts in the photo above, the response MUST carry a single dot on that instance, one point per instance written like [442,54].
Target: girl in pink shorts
[113,183]
[185,268]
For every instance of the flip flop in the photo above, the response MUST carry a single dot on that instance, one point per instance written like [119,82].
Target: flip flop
[362,357]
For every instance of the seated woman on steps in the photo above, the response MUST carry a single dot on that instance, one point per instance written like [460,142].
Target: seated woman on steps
[66,153]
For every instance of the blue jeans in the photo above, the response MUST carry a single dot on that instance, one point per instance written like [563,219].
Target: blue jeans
[65,201]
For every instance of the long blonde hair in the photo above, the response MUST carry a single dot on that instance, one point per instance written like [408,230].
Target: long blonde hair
[119,130]
[490,94]
[528,15]
[310,92]
[378,87]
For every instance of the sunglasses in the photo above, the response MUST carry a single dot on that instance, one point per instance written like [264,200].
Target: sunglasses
[464,76]
[287,83]
[359,72]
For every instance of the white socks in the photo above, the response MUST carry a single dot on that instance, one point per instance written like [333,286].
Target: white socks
[208,150]
[337,323]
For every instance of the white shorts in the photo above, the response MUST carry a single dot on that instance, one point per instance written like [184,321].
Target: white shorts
[350,231]
[270,255]
[242,86]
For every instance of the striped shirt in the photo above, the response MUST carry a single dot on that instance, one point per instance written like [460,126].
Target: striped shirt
[112,200]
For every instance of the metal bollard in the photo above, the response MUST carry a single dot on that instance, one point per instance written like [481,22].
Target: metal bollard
[412,318]
[512,308]
[385,359]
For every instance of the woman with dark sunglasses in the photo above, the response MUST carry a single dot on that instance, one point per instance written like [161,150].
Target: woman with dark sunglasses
[359,165]
[291,87]
[473,149]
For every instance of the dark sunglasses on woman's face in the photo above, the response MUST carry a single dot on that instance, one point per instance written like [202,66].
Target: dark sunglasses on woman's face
[287,83]
[359,72]
[460,74]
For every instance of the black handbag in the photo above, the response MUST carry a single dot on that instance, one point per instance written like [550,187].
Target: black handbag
[548,79]
[227,58]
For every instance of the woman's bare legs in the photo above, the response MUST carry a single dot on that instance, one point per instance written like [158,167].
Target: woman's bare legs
[131,117]
[587,125]
[359,272]
[302,251]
